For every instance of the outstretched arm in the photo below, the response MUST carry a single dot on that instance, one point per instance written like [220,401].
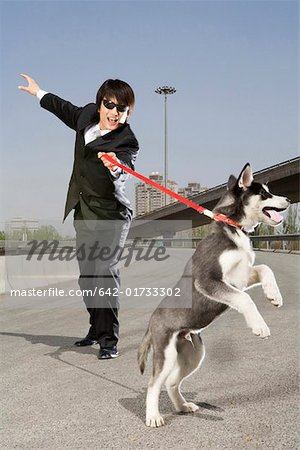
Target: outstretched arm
[64,110]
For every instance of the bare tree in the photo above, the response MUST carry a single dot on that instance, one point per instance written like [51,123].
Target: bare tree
[291,222]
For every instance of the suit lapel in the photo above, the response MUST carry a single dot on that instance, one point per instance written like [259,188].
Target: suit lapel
[107,141]
[101,141]
[89,117]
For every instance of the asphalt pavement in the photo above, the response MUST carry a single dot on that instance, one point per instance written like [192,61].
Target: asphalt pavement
[57,396]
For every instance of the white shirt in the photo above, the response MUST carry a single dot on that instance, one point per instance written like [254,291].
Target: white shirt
[91,133]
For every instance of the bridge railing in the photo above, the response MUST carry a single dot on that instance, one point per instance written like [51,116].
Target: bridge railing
[277,242]
[286,242]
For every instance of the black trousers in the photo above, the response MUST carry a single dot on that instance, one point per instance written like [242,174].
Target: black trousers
[99,244]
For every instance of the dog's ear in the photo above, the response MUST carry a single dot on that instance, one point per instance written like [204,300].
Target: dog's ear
[231,182]
[246,177]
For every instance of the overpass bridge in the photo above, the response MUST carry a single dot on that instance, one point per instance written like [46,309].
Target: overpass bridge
[283,179]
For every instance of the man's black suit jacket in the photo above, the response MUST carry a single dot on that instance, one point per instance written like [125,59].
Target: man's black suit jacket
[100,194]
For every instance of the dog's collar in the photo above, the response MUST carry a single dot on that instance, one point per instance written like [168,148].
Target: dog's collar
[222,218]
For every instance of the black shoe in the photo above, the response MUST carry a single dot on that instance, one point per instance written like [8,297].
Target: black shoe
[85,341]
[108,353]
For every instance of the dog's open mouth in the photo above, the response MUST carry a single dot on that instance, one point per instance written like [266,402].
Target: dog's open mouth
[273,213]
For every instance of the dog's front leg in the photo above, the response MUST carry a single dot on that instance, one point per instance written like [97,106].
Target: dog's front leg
[264,275]
[246,306]
[223,292]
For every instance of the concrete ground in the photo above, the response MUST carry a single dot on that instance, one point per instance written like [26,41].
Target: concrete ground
[57,396]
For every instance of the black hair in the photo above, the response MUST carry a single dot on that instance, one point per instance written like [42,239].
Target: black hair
[118,89]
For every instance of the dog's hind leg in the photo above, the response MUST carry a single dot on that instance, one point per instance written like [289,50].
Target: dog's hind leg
[163,362]
[190,355]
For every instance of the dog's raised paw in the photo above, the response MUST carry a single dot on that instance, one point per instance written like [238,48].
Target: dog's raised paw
[189,407]
[276,300]
[155,422]
[262,331]
[273,295]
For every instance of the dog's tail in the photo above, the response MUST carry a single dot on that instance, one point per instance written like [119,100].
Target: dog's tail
[144,350]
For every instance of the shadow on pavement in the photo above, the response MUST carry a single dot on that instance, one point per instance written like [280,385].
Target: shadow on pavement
[137,406]
[65,343]
[68,345]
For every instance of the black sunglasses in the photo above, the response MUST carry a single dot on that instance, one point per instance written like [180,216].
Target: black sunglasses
[111,105]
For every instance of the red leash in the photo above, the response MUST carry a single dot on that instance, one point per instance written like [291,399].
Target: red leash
[198,208]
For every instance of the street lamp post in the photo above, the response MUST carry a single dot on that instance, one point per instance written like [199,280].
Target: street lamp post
[165,90]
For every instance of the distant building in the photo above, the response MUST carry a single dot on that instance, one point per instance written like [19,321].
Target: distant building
[148,199]
[20,225]
[191,189]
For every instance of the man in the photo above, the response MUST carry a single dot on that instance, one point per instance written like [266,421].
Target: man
[96,192]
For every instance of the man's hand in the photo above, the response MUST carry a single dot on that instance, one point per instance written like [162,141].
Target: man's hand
[32,87]
[106,163]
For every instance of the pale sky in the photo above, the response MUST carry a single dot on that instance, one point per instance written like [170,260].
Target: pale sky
[235,65]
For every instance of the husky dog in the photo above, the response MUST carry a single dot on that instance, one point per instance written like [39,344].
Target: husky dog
[221,270]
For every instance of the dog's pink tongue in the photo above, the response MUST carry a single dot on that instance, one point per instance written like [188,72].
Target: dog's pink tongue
[275,215]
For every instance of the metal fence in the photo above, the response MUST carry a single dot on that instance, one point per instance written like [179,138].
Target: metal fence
[284,242]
